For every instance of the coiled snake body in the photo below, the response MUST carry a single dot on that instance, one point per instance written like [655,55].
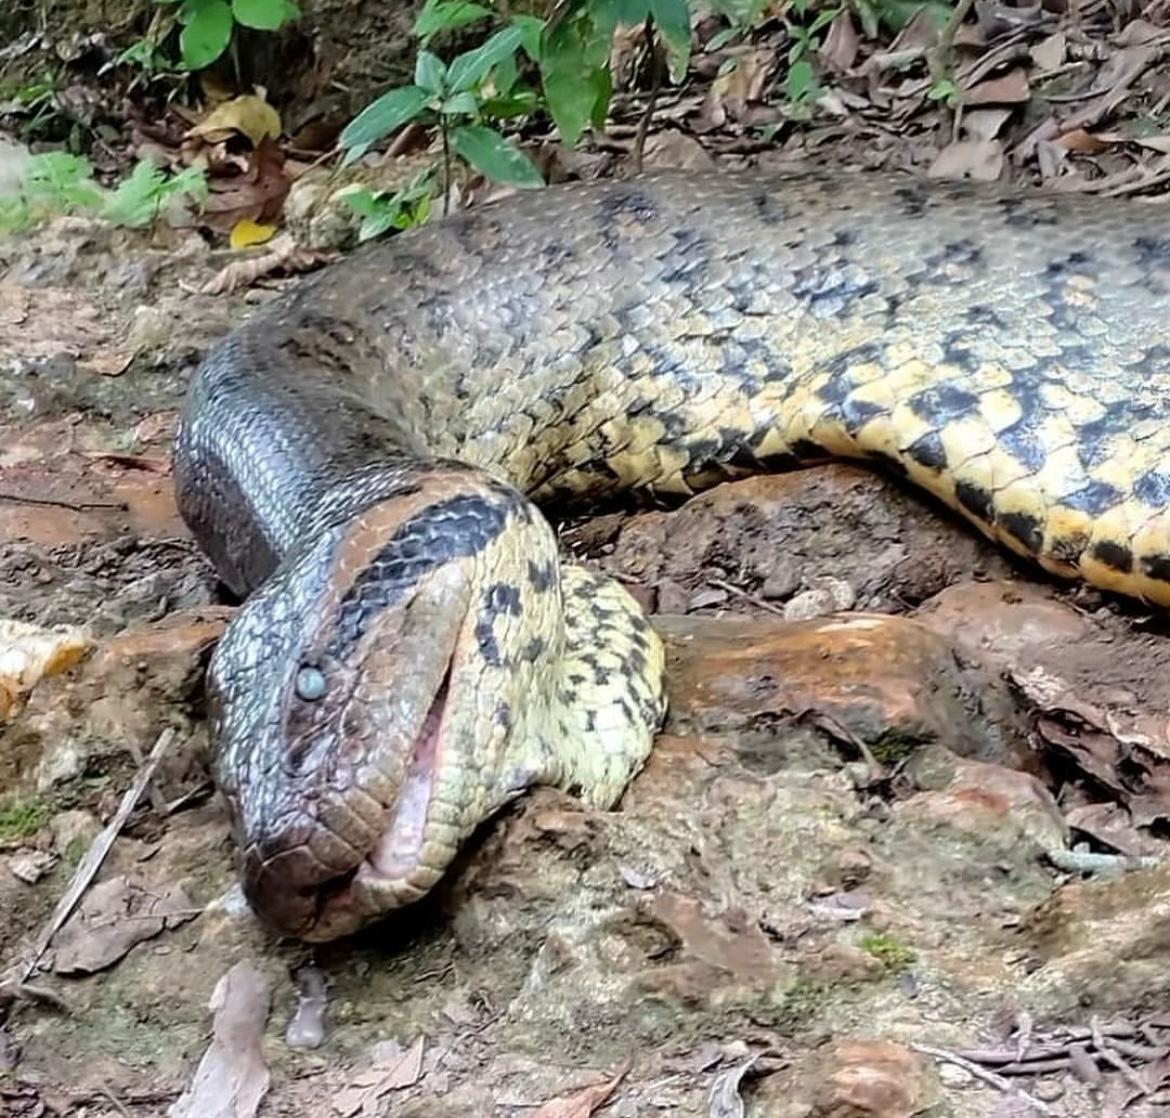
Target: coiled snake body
[365,458]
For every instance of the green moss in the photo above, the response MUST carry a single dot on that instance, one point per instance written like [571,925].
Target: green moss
[894,955]
[22,818]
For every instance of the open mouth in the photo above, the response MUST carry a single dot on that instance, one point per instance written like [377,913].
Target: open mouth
[397,852]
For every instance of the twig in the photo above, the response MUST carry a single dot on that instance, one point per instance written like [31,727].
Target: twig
[747,595]
[1115,1061]
[1085,861]
[657,66]
[446,171]
[72,506]
[989,1077]
[938,59]
[96,854]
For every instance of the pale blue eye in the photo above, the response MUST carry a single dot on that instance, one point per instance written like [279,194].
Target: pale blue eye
[310,684]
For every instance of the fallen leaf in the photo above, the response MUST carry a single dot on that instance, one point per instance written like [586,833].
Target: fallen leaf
[724,1099]
[110,363]
[1049,53]
[985,124]
[248,115]
[233,1077]
[13,304]
[1011,88]
[114,916]
[839,50]
[257,195]
[29,653]
[732,91]
[981,160]
[1082,142]
[246,234]
[581,1104]
[672,148]
[31,865]
[391,1069]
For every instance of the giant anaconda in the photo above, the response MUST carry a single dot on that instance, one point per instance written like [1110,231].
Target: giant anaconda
[366,456]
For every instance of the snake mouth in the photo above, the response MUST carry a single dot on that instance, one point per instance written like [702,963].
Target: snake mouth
[397,853]
[395,872]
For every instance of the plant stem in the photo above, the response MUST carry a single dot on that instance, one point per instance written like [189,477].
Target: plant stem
[446,168]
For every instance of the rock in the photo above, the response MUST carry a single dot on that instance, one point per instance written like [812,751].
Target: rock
[889,681]
[1102,943]
[772,534]
[854,1079]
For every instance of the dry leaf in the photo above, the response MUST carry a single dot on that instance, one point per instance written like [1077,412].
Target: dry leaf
[257,195]
[249,116]
[1050,53]
[723,1099]
[232,1077]
[13,304]
[985,124]
[246,234]
[839,51]
[672,148]
[115,916]
[982,160]
[28,653]
[745,82]
[1011,88]
[1085,143]
[392,1069]
[581,1104]
[111,363]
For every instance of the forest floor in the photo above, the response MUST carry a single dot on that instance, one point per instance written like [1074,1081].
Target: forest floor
[844,886]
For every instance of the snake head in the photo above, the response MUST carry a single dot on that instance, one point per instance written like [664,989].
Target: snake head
[371,702]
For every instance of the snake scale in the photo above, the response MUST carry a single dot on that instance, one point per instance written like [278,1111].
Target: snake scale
[364,460]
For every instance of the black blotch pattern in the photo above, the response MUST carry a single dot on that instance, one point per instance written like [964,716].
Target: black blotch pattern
[928,451]
[453,529]
[502,597]
[1025,527]
[1157,566]
[540,575]
[1114,555]
[974,498]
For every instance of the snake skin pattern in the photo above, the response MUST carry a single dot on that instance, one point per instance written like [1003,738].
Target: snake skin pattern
[366,456]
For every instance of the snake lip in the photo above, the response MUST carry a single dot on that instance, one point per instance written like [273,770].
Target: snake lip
[396,854]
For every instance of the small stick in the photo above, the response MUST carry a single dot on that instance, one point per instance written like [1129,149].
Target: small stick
[1105,1053]
[657,67]
[747,595]
[72,506]
[96,854]
[988,1077]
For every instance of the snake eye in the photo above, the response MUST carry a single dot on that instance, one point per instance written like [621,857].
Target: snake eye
[310,684]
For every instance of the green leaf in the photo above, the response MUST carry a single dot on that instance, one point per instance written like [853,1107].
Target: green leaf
[207,30]
[801,82]
[609,13]
[430,72]
[531,33]
[380,118]
[520,102]
[462,103]
[447,15]
[575,77]
[488,152]
[470,69]
[673,19]
[264,15]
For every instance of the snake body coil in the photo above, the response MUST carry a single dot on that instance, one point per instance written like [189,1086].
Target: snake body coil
[363,456]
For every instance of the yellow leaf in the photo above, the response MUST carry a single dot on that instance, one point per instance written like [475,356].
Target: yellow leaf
[249,115]
[246,233]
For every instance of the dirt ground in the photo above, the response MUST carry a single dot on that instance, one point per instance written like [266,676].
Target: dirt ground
[900,849]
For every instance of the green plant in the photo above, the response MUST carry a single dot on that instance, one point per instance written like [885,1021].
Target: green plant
[458,98]
[56,182]
[139,198]
[22,818]
[381,210]
[894,955]
[207,25]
